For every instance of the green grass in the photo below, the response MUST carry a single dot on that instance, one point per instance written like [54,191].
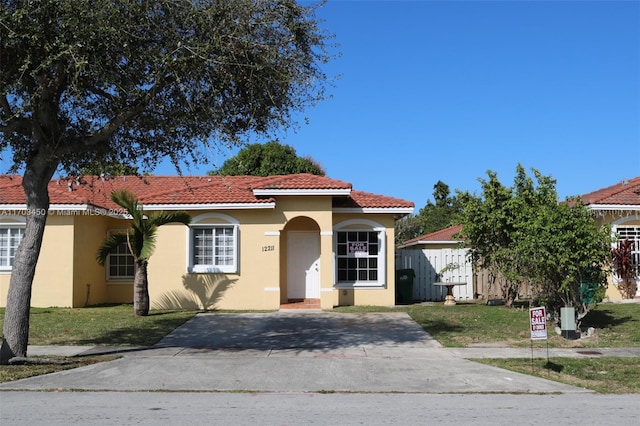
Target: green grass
[9,373]
[601,374]
[102,325]
[617,325]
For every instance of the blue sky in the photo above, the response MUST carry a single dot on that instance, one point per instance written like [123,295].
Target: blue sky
[446,90]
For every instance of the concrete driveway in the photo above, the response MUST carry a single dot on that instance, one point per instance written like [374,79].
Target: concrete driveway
[294,352]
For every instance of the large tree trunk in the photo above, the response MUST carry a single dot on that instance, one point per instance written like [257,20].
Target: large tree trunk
[141,289]
[35,182]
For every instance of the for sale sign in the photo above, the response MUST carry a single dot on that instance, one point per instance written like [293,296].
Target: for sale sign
[538,321]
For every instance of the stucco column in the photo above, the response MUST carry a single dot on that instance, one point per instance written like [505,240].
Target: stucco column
[328,295]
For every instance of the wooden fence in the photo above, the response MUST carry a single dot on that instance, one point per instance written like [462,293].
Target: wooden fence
[427,265]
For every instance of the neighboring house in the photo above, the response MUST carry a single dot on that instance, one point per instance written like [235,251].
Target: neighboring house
[618,205]
[428,255]
[254,242]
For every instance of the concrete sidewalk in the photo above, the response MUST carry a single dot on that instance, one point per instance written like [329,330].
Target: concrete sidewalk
[302,352]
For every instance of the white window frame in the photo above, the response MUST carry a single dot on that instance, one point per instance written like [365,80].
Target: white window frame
[121,278]
[361,225]
[631,232]
[213,221]
[20,225]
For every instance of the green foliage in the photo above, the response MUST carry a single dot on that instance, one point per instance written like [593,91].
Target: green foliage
[522,234]
[407,228]
[141,237]
[443,212]
[269,159]
[141,240]
[109,168]
[137,81]
[625,268]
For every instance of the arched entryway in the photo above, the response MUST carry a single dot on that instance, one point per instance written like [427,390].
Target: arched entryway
[302,270]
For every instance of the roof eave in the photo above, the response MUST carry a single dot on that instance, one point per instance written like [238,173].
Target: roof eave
[613,207]
[422,243]
[210,206]
[370,210]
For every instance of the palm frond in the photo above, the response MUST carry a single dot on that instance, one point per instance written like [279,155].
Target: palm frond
[148,247]
[128,201]
[162,218]
[111,242]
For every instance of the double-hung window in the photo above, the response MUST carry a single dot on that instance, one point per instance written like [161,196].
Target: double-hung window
[213,247]
[360,258]
[10,237]
[120,263]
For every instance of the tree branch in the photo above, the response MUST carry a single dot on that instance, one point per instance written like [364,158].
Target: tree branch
[136,108]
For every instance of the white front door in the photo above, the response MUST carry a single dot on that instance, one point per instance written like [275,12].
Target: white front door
[303,265]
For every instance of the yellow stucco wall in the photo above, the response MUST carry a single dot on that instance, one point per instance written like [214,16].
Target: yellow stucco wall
[52,283]
[89,281]
[68,275]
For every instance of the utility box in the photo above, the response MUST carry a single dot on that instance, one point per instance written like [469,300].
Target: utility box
[568,323]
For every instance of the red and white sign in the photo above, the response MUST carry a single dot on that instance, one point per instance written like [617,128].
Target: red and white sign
[538,321]
[358,248]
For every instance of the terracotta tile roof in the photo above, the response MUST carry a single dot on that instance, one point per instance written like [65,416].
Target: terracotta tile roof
[446,234]
[625,193]
[299,181]
[360,199]
[189,190]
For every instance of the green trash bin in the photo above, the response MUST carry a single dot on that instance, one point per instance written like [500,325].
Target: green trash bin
[404,286]
[589,292]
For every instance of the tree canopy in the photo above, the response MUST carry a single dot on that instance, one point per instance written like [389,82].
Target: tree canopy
[438,214]
[129,82]
[271,158]
[523,234]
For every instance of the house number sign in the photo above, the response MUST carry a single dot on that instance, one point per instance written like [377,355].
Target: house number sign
[268,248]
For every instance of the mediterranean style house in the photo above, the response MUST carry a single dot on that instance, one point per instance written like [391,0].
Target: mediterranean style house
[254,242]
[619,205]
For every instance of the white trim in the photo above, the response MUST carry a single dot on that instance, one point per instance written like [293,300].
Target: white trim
[371,210]
[11,225]
[270,192]
[365,226]
[51,207]
[374,225]
[272,233]
[16,220]
[272,289]
[613,207]
[222,206]
[213,269]
[326,233]
[420,243]
[230,219]
[150,207]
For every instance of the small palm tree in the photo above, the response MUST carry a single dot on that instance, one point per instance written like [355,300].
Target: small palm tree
[141,240]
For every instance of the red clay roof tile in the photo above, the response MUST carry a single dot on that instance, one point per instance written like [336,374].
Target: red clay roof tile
[189,190]
[446,234]
[626,192]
